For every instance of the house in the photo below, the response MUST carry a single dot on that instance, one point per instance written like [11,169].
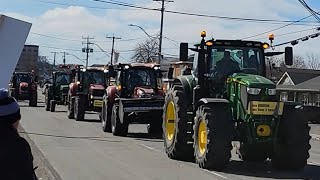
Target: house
[300,85]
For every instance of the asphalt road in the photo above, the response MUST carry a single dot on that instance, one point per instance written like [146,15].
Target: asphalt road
[82,151]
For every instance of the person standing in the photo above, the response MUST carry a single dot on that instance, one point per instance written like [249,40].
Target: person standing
[16,160]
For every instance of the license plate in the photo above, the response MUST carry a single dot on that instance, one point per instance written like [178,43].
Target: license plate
[265,108]
[97,103]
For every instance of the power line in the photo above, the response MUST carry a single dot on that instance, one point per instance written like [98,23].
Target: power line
[281,27]
[296,41]
[289,33]
[87,50]
[112,50]
[313,13]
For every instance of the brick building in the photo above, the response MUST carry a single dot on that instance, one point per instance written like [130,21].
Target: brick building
[28,59]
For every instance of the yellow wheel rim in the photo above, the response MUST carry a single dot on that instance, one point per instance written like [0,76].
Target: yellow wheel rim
[202,137]
[170,121]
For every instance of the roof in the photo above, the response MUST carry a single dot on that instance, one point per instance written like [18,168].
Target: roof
[300,75]
[309,85]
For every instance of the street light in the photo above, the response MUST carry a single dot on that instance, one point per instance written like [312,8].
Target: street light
[82,60]
[152,38]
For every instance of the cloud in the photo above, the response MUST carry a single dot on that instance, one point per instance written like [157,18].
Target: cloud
[74,22]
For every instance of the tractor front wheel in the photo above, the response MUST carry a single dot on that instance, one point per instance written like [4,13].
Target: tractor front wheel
[106,117]
[33,99]
[79,110]
[71,108]
[213,136]
[118,128]
[53,105]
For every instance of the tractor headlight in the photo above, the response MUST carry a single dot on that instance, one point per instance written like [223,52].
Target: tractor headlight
[157,68]
[141,93]
[272,92]
[78,82]
[91,97]
[126,66]
[253,91]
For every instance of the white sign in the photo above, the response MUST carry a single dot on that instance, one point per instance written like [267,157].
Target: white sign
[13,35]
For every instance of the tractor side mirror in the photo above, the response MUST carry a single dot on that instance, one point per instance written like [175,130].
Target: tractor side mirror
[170,73]
[289,56]
[111,72]
[184,51]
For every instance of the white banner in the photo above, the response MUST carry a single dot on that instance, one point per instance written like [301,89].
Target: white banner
[13,35]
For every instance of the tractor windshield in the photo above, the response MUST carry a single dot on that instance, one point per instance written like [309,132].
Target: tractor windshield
[141,77]
[63,79]
[24,78]
[94,77]
[227,60]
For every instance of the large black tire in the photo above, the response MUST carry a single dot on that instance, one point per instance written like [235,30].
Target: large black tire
[118,128]
[52,105]
[291,152]
[155,126]
[79,108]
[106,117]
[178,144]
[253,153]
[214,150]
[33,99]
[71,108]
[47,100]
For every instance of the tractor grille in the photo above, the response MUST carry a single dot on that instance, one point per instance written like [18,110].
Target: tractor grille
[98,92]
[24,88]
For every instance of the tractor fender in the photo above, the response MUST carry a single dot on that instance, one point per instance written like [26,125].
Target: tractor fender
[111,94]
[188,83]
[203,101]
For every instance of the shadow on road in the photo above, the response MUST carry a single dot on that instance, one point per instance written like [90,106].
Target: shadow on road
[61,111]
[104,139]
[264,170]
[26,105]
[146,137]
[90,121]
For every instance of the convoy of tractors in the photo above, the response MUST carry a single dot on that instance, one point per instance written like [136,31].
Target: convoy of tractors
[200,109]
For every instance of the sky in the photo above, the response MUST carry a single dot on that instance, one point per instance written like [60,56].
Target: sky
[61,25]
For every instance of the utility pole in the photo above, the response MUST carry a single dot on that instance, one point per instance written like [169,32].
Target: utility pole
[161,28]
[54,60]
[64,58]
[112,50]
[87,49]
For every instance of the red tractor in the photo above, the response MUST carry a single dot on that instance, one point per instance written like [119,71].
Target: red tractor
[86,91]
[23,86]
[135,95]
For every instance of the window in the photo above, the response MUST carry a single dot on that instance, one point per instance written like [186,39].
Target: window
[305,98]
[318,100]
[284,96]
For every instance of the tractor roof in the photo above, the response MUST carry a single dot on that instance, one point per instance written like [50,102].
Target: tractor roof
[140,65]
[238,43]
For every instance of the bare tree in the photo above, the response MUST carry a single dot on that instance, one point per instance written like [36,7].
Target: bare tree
[299,62]
[146,51]
[313,61]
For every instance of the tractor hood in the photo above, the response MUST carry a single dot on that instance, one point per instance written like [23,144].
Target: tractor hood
[143,91]
[251,80]
[96,87]
[64,87]
[24,84]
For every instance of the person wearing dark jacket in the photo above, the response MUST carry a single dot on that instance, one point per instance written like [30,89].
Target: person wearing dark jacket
[16,160]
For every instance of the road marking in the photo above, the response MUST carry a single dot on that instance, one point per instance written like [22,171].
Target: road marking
[148,147]
[214,173]
[313,163]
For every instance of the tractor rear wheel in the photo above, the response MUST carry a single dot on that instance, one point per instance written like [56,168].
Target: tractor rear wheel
[292,150]
[177,128]
[52,105]
[33,99]
[71,108]
[106,117]
[118,128]
[213,136]
[79,110]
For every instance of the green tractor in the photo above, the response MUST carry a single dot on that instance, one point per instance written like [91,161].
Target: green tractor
[57,92]
[227,98]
